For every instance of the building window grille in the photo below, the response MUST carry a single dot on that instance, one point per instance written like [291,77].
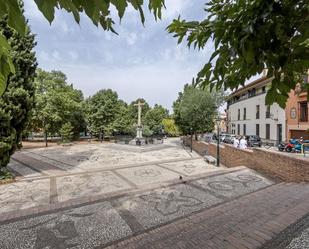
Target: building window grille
[238,114]
[245,113]
[238,129]
[245,130]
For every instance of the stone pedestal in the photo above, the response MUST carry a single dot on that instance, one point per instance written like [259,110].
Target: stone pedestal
[139,133]
[137,141]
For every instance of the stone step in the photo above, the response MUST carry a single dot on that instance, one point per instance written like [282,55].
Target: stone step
[22,170]
[37,165]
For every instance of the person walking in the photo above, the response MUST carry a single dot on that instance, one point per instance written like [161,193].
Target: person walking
[243,143]
[236,142]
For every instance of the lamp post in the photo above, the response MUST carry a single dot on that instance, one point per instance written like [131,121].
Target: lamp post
[191,138]
[218,120]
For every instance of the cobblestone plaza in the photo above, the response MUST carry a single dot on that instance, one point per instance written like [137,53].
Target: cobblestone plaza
[101,195]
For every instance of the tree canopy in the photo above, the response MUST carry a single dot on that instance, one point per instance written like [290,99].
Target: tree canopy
[107,114]
[249,36]
[101,111]
[18,100]
[195,109]
[154,117]
[170,128]
[99,12]
[57,104]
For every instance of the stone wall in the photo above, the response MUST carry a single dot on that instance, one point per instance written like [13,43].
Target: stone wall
[273,164]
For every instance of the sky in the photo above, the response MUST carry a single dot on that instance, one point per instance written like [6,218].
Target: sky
[140,62]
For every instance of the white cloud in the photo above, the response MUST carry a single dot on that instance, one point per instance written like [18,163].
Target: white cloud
[131,38]
[56,55]
[42,55]
[157,83]
[140,62]
[74,55]
[31,10]
[175,8]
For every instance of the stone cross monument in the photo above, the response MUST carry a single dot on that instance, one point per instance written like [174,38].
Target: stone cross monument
[139,131]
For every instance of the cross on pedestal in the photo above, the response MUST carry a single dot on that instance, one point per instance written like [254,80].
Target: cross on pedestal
[139,133]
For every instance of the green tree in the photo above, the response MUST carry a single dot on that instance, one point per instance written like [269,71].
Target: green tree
[123,123]
[147,132]
[57,103]
[154,117]
[170,128]
[18,100]
[195,109]
[66,132]
[249,36]
[97,11]
[101,112]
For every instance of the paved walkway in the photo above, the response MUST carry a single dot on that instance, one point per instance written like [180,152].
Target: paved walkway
[64,176]
[73,198]
[239,209]
[247,222]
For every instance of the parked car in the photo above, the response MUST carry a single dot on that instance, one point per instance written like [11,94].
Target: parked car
[254,141]
[229,138]
[209,137]
[222,136]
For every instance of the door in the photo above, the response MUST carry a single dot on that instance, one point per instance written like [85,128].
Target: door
[279,133]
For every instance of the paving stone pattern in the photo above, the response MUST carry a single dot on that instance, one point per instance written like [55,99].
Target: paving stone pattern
[104,222]
[301,242]
[82,228]
[100,156]
[189,168]
[22,195]
[247,222]
[22,170]
[93,195]
[78,186]
[93,170]
[147,174]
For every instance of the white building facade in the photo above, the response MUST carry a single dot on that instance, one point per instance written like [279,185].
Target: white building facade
[247,113]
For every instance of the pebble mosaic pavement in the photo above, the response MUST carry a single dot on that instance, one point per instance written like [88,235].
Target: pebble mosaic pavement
[98,224]
[137,189]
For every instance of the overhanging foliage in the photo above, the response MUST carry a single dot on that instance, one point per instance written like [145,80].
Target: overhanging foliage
[97,10]
[249,36]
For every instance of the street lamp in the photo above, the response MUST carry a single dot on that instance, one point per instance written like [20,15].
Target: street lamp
[191,138]
[218,121]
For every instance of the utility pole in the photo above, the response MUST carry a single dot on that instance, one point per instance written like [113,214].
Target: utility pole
[218,120]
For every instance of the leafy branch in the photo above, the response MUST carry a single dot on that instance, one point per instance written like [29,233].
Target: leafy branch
[249,36]
[98,11]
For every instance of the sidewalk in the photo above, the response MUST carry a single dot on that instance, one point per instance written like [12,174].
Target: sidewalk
[247,222]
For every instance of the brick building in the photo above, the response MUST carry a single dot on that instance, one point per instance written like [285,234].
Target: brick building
[297,121]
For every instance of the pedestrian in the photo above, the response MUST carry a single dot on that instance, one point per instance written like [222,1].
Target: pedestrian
[243,143]
[236,142]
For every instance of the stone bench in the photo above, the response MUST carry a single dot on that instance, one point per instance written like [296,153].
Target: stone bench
[210,159]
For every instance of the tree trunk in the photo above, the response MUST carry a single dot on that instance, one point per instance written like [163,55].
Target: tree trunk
[195,135]
[45,135]
[101,136]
